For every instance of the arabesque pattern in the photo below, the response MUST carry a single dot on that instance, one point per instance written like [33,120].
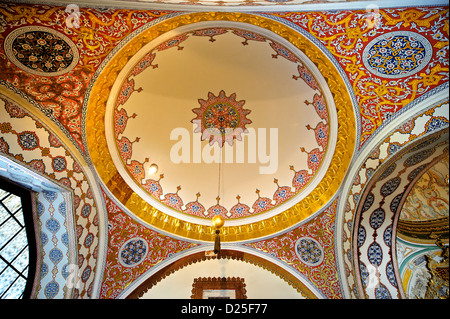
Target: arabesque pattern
[320,267]
[128,256]
[29,142]
[347,34]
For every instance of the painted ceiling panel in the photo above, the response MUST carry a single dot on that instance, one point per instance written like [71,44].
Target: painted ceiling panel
[134,87]
[215,81]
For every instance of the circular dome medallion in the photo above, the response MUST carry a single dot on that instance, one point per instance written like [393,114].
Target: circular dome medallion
[41,51]
[133,252]
[397,54]
[287,160]
[239,122]
[309,251]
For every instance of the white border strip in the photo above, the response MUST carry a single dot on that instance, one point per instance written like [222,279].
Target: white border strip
[284,7]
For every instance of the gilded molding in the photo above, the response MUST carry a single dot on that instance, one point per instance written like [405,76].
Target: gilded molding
[101,158]
[419,231]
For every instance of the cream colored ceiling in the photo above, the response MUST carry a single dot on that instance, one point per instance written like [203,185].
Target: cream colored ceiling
[156,85]
[166,94]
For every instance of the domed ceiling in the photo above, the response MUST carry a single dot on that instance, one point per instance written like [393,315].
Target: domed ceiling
[195,128]
[282,117]
[224,117]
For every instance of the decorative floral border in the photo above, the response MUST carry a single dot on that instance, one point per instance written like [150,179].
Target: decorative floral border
[423,123]
[121,229]
[44,153]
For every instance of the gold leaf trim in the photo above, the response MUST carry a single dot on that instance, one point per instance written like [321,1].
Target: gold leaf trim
[101,158]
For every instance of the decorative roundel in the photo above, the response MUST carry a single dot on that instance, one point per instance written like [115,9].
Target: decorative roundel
[309,251]
[397,54]
[221,118]
[133,252]
[41,51]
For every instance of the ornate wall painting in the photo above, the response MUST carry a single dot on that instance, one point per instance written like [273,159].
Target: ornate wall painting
[428,199]
[230,252]
[413,267]
[29,143]
[132,250]
[129,88]
[367,53]
[221,119]
[60,87]
[422,228]
[309,249]
[213,4]
[345,41]
[424,215]
[378,213]
[378,96]
[432,119]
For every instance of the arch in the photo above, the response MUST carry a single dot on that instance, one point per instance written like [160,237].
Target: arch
[41,177]
[378,210]
[228,254]
[39,186]
[414,122]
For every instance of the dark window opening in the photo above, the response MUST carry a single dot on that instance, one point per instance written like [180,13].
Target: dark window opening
[17,241]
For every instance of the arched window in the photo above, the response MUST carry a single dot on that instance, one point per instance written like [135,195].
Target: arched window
[17,242]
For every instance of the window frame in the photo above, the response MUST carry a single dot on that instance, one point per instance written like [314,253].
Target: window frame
[27,211]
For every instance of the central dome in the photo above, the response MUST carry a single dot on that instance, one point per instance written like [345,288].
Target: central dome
[239,122]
